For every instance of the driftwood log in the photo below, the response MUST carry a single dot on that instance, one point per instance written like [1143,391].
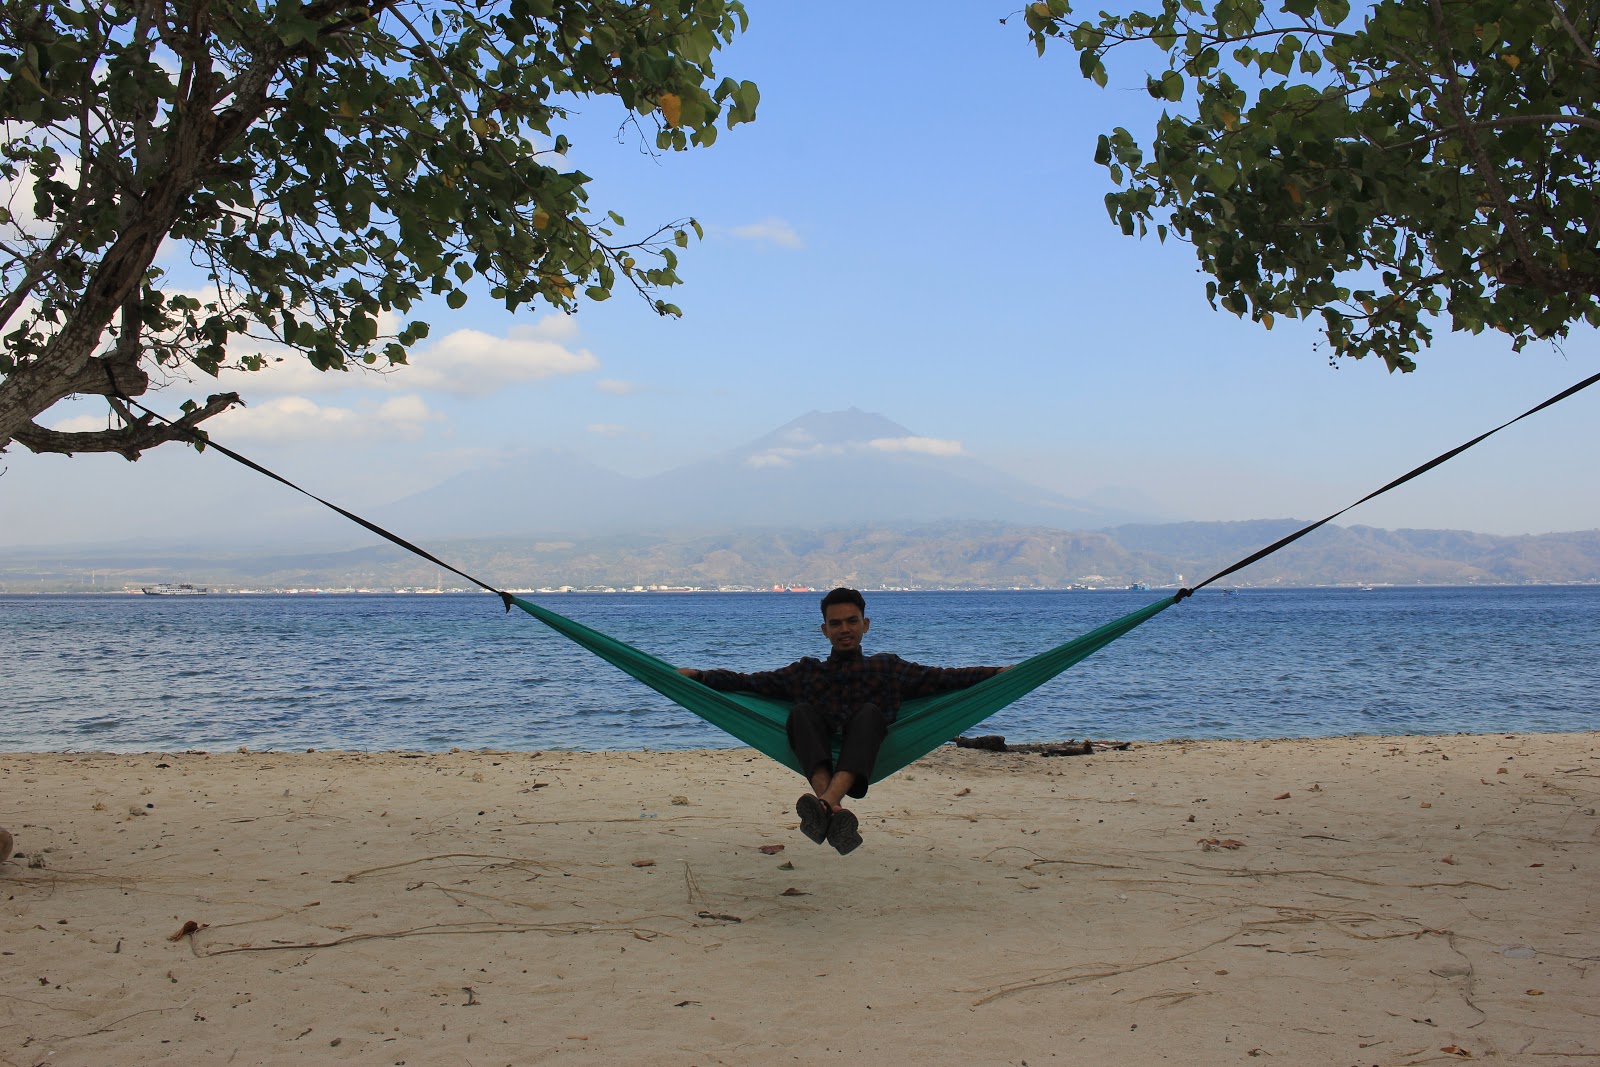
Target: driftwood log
[997,743]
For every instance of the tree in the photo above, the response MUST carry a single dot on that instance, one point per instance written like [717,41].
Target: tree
[1425,158]
[326,165]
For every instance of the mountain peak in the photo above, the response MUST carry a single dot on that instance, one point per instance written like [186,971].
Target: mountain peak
[824,468]
[829,428]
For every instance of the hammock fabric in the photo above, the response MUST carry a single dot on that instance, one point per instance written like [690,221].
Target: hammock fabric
[923,725]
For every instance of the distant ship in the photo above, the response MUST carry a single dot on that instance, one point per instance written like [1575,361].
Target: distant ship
[178,589]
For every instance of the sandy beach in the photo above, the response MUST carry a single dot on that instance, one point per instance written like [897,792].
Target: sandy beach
[1339,901]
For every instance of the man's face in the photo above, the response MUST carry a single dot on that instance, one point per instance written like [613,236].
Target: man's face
[844,625]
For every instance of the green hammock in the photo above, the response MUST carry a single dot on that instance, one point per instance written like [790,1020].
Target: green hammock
[924,723]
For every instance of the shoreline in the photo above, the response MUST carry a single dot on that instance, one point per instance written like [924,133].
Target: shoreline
[1014,747]
[1163,587]
[1356,899]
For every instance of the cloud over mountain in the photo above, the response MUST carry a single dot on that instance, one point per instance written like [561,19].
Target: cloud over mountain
[824,469]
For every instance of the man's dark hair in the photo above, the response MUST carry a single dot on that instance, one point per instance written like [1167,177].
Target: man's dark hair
[843,595]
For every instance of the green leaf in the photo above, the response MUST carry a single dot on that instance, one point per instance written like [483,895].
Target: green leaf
[1333,12]
[293,29]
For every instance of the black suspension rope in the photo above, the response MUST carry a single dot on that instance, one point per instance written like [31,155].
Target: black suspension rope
[1428,466]
[205,440]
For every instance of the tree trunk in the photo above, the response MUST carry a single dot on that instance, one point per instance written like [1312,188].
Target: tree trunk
[197,138]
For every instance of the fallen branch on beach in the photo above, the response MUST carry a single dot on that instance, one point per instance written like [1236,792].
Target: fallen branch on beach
[997,743]
[444,930]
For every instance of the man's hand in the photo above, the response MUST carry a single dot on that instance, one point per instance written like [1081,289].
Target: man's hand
[690,672]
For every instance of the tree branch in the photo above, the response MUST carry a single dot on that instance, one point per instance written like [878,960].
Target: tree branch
[1549,280]
[1587,58]
[1513,120]
[131,439]
[1491,180]
[1223,42]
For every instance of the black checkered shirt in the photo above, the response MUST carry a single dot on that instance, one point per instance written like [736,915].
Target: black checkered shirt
[846,680]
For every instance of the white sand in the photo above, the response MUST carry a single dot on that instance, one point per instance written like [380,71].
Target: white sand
[1410,900]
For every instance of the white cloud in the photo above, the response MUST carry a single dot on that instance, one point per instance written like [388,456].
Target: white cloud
[927,446]
[550,328]
[17,196]
[618,387]
[772,230]
[616,431]
[82,424]
[477,363]
[287,373]
[803,446]
[298,419]
[464,362]
[783,457]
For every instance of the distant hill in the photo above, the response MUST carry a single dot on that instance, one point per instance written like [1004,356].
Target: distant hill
[930,555]
[831,497]
[824,469]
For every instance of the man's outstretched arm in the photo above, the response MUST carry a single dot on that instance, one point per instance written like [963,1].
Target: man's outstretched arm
[926,681]
[779,683]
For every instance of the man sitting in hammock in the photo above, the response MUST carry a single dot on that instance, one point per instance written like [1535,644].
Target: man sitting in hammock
[851,696]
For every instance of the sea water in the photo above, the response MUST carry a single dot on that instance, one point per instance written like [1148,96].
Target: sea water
[430,672]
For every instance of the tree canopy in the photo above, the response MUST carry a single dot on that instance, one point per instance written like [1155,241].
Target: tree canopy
[1375,169]
[326,166]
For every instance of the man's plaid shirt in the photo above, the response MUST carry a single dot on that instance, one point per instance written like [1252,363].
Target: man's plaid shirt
[845,681]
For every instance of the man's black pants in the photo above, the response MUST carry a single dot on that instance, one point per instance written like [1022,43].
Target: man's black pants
[811,735]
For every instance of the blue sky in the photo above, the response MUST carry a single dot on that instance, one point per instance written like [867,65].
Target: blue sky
[913,226]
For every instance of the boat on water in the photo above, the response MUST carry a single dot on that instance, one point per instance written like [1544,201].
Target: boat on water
[175,589]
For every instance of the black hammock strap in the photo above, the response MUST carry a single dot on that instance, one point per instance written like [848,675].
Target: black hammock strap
[1403,479]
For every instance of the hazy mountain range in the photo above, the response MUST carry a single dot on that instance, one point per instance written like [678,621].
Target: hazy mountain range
[950,555]
[832,497]
[824,469]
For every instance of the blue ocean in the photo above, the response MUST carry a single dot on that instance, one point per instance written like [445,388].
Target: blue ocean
[431,672]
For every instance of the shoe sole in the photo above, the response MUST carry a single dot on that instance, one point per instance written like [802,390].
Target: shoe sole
[814,817]
[844,832]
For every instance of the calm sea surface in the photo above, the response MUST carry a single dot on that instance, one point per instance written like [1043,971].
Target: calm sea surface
[136,673]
